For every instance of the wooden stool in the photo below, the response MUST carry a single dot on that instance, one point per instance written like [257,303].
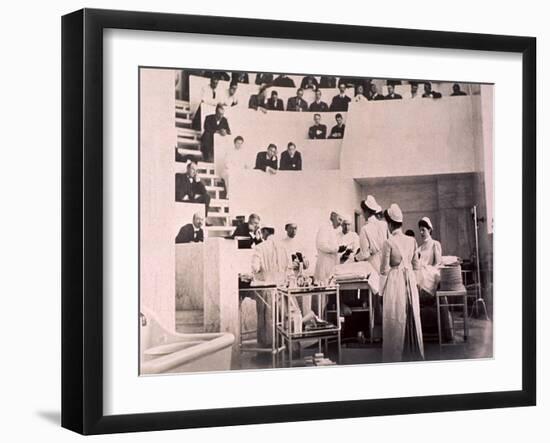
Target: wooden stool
[442,301]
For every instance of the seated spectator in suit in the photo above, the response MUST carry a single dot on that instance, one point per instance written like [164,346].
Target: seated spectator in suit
[391,93]
[263,78]
[190,189]
[317,131]
[327,82]
[275,103]
[267,160]
[309,82]
[291,159]
[428,93]
[229,97]
[341,101]
[297,103]
[192,232]
[414,90]
[239,77]
[283,81]
[457,91]
[359,94]
[338,130]
[258,101]
[248,234]
[374,95]
[318,105]
[213,124]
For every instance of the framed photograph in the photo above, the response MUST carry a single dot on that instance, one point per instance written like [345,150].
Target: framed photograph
[270,221]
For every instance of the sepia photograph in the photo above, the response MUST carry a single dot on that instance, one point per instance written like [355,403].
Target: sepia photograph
[299,220]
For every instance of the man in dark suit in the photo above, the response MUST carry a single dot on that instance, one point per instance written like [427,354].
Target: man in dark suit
[283,81]
[258,101]
[457,91]
[248,234]
[291,159]
[309,82]
[318,105]
[338,130]
[327,82]
[239,77]
[414,90]
[263,78]
[190,189]
[317,131]
[428,93]
[275,103]
[391,93]
[213,124]
[267,160]
[297,103]
[192,232]
[341,101]
[374,95]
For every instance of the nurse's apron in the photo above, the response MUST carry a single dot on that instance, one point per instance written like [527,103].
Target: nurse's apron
[402,331]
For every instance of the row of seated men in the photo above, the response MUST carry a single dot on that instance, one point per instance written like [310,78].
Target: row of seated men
[217,123]
[280,80]
[212,94]
[309,81]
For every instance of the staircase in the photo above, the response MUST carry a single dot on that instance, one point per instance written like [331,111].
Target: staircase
[188,139]
[219,218]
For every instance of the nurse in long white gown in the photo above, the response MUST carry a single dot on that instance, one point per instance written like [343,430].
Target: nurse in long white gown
[402,330]
[371,238]
[373,234]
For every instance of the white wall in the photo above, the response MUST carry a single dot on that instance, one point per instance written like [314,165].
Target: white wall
[36,365]
[374,146]
[157,202]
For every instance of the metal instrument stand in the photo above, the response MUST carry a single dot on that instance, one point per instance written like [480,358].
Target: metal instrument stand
[479,304]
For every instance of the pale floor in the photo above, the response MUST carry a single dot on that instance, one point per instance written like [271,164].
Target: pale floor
[478,345]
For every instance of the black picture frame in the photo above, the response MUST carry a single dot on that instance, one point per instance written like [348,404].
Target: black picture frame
[82,219]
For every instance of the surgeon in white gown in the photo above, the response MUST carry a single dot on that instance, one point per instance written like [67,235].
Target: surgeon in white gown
[328,247]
